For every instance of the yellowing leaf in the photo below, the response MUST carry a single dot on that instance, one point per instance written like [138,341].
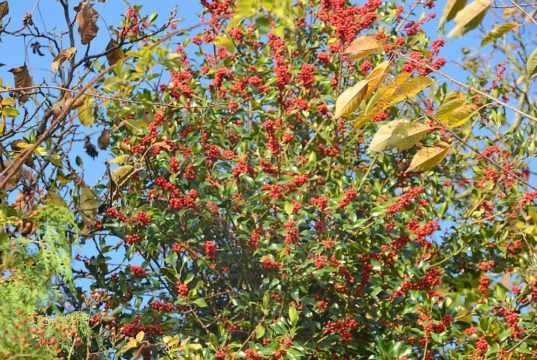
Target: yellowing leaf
[498,32]
[85,112]
[63,56]
[121,173]
[531,65]
[88,204]
[140,336]
[454,110]
[376,77]
[363,46]
[398,134]
[119,159]
[450,10]
[470,17]
[409,89]
[428,157]
[86,19]
[350,100]
[225,42]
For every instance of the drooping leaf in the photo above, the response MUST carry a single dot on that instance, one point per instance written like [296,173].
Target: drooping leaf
[531,65]
[498,32]
[470,17]
[104,139]
[87,204]
[350,99]
[363,46]
[450,10]
[455,110]
[113,53]
[22,80]
[86,19]
[63,56]
[4,9]
[428,157]
[85,112]
[398,134]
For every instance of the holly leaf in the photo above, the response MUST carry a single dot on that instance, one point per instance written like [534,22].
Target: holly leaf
[428,157]
[63,56]
[470,17]
[498,32]
[450,10]
[349,101]
[398,134]
[86,18]
[363,46]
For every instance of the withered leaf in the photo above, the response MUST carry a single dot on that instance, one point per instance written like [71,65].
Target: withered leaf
[4,9]
[63,56]
[22,80]
[104,139]
[86,19]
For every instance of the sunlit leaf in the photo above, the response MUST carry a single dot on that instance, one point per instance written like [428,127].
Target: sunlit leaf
[409,89]
[363,46]
[349,101]
[376,77]
[428,157]
[455,110]
[450,10]
[121,173]
[531,65]
[85,112]
[398,134]
[470,17]
[498,32]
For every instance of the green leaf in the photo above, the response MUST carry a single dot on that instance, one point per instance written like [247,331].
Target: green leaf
[398,134]
[531,65]
[121,173]
[259,332]
[450,10]
[288,206]
[498,32]
[293,316]
[85,112]
[350,100]
[470,17]
[428,157]
[200,302]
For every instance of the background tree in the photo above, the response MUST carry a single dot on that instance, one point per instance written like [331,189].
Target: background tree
[295,180]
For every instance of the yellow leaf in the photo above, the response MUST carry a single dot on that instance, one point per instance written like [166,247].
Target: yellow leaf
[140,336]
[363,46]
[428,157]
[225,42]
[470,17]
[119,159]
[121,172]
[408,89]
[398,134]
[498,32]
[350,100]
[376,77]
[454,110]
[450,10]
[63,56]
[85,112]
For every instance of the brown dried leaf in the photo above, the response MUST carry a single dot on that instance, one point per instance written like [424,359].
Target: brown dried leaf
[104,139]
[86,19]
[63,56]
[22,80]
[115,55]
[4,9]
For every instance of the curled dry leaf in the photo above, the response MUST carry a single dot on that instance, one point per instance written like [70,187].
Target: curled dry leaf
[86,19]
[63,56]
[104,139]
[350,100]
[113,52]
[398,134]
[428,157]
[363,46]
[23,79]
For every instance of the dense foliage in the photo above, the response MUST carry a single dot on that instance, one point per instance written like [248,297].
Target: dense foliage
[294,180]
